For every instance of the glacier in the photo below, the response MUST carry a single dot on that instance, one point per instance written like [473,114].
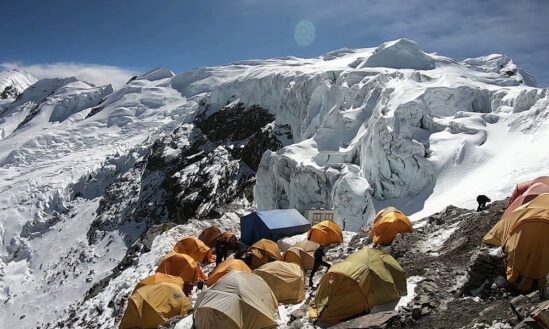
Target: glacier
[86,170]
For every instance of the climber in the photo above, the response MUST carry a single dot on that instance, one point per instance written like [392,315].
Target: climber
[482,201]
[319,261]
[221,251]
[241,249]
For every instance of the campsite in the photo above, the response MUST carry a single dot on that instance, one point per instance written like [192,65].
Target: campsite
[365,286]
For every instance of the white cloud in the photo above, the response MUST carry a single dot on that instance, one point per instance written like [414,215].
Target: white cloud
[96,74]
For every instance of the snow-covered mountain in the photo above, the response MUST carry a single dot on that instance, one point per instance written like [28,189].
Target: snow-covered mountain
[85,171]
[13,83]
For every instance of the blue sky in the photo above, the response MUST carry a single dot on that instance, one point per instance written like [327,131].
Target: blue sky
[104,40]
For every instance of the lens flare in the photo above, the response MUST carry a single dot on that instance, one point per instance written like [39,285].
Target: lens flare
[304,33]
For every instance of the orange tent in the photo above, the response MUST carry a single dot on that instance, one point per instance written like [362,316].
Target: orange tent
[150,306]
[195,248]
[301,253]
[262,250]
[225,267]
[522,187]
[528,195]
[209,236]
[183,266]
[523,234]
[387,224]
[230,238]
[159,278]
[326,232]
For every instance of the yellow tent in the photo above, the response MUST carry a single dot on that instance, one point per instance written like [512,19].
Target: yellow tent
[387,224]
[302,253]
[195,248]
[262,252]
[159,278]
[239,300]
[524,236]
[183,266]
[286,280]
[209,236]
[307,245]
[533,209]
[225,267]
[326,232]
[366,278]
[150,306]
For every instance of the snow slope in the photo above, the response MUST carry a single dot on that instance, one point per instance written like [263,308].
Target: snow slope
[84,171]
[54,167]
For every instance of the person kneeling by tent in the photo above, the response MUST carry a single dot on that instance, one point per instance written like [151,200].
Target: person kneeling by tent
[319,261]
[482,201]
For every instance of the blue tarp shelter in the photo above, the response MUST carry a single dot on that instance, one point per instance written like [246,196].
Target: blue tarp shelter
[272,225]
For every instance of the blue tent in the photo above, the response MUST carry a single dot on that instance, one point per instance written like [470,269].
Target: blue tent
[272,225]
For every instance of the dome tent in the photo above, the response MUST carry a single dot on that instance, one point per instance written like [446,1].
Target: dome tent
[523,235]
[159,278]
[230,238]
[528,195]
[226,267]
[272,225]
[195,248]
[183,266]
[151,305]
[301,253]
[366,278]
[209,236]
[286,280]
[522,187]
[326,232]
[239,300]
[262,252]
[387,224]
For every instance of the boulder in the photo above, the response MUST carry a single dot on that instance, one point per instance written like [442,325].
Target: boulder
[371,321]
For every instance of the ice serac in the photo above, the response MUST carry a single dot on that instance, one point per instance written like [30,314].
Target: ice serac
[503,66]
[399,135]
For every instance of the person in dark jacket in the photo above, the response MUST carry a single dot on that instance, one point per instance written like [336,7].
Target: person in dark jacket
[241,249]
[482,201]
[221,251]
[319,261]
